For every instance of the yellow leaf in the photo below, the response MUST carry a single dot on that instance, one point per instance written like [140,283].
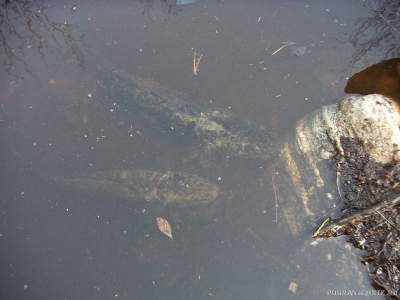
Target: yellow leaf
[293,287]
[164,227]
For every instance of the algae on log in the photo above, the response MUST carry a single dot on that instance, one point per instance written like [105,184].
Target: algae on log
[313,153]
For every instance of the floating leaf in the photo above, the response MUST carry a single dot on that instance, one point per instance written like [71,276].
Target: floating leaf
[293,287]
[164,227]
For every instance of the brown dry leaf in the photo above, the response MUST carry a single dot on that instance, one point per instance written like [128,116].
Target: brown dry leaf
[293,287]
[164,227]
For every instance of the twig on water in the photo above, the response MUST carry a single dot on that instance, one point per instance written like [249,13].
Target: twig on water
[276,201]
[196,63]
[286,44]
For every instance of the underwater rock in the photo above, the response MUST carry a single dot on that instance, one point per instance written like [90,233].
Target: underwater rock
[312,153]
[343,164]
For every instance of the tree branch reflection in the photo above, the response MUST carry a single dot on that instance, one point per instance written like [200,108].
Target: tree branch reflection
[24,27]
[378,33]
[166,6]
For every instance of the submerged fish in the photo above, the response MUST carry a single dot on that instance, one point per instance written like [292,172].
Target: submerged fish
[168,109]
[170,188]
[183,2]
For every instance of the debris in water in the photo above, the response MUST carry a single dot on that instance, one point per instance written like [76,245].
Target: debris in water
[298,50]
[285,45]
[196,63]
[164,227]
[293,287]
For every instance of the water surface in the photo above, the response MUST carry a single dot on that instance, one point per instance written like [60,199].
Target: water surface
[59,119]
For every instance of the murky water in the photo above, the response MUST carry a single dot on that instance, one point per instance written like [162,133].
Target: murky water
[61,119]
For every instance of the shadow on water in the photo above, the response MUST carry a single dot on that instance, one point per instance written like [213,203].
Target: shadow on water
[382,78]
[58,118]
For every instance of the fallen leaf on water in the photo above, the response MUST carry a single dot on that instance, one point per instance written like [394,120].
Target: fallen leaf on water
[293,287]
[164,227]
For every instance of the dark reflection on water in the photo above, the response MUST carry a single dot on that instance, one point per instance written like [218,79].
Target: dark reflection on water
[26,29]
[61,120]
